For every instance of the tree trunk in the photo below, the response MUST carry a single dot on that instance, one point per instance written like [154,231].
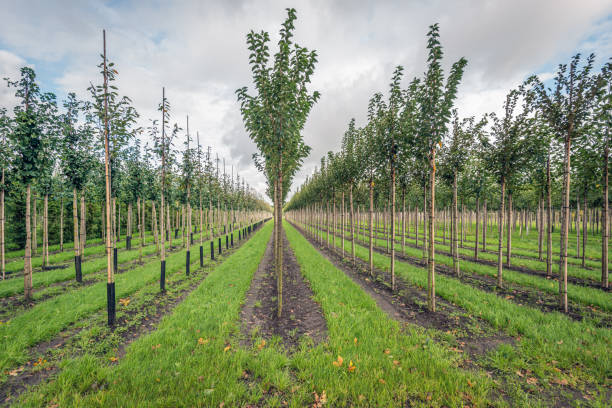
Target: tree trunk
[585,228]
[454,243]
[392,228]
[549,221]
[509,231]
[46,230]
[371,226]
[500,232]
[343,222]
[2,256]
[604,218]
[431,294]
[352,225]
[83,229]
[61,223]
[564,227]
[540,226]
[485,220]
[27,264]
[76,239]
[424,255]
[477,231]
[34,224]
[403,219]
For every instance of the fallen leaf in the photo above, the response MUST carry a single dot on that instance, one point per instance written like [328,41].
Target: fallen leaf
[395,362]
[532,380]
[560,342]
[338,362]
[261,345]
[387,351]
[124,301]
[113,359]
[202,341]
[519,373]
[227,348]
[155,347]
[380,380]
[471,384]
[355,340]
[351,366]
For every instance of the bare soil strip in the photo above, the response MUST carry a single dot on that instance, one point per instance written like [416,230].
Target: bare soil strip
[301,315]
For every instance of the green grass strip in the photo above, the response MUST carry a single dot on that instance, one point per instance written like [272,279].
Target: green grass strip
[549,341]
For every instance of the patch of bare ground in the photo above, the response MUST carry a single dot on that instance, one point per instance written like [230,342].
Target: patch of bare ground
[301,314]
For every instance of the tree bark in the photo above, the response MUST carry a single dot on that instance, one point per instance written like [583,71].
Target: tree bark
[46,230]
[477,231]
[564,227]
[454,243]
[83,229]
[485,220]
[371,226]
[61,223]
[549,221]
[604,218]
[75,228]
[500,233]
[540,226]
[431,294]
[509,231]
[27,264]
[352,224]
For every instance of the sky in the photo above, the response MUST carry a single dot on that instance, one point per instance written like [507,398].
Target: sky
[197,51]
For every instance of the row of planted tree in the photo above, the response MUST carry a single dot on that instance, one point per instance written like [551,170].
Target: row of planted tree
[518,164]
[90,151]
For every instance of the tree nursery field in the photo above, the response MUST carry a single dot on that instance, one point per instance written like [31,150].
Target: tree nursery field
[432,260]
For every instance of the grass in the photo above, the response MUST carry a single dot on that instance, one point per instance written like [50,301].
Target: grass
[578,293]
[46,319]
[550,345]
[194,358]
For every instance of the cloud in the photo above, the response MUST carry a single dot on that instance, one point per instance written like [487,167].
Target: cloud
[197,50]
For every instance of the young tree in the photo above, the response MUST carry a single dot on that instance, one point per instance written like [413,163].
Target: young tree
[76,161]
[436,102]
[5,155]
[275,116]
[26,140]
[567,108]
[506,155]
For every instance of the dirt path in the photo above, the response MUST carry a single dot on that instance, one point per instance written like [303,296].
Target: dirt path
[301,315]
[408,304]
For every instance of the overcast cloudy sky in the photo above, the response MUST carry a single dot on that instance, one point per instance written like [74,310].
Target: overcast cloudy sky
[197,50]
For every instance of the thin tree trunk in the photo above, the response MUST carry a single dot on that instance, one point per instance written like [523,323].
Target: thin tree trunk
[431,294]
[604,218]
[485,220]
[61,223]
[76,239]
[83,230]
[477,231]
[27,264]
[549,221]
[585,228]
[392,228]
[34,224]
[371,226]
[500,233]
[454,243]
[564,227]
[46,230]
[540,226]
[352,225]
[509,231]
